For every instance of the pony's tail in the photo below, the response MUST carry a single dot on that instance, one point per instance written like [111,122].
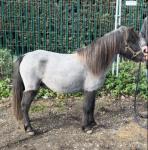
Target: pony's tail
[18,88]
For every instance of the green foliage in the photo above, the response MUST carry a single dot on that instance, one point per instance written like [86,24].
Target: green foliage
[46,93]
[5,63]
[124,84]
[5,90]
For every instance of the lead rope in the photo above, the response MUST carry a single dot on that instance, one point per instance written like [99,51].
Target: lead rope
[138,115]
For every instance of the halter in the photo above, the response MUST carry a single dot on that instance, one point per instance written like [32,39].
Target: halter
[128,48]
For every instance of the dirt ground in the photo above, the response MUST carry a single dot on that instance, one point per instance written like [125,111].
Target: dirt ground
[58,126]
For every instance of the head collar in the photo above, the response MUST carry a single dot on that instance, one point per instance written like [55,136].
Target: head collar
[134,54]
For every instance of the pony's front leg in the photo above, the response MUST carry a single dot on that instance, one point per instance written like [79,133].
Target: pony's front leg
[88,120]
[27,99]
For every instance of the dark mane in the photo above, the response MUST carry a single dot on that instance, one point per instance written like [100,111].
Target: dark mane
[99,54]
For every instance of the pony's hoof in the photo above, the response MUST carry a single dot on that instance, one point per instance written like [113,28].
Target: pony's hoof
[93,124]
[89,131]
[31,133]
[89,128]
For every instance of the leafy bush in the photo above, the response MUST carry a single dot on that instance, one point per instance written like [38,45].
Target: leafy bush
[5,63]
[125,84]
[5,90]
[45,93]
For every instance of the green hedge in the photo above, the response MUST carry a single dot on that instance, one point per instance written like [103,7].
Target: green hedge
[5,90]
[5,63]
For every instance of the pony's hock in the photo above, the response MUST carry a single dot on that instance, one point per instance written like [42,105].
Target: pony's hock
[84,70]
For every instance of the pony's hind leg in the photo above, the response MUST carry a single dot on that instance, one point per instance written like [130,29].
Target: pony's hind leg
[88,110]
[27,99]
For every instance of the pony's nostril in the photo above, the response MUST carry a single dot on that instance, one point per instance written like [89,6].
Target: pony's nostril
[144,50]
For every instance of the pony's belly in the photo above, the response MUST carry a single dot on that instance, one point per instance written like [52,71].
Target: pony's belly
[64,86]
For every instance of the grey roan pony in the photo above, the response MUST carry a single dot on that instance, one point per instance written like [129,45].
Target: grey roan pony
[84,70]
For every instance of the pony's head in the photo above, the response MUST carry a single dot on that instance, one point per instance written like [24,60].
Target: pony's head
[131,47]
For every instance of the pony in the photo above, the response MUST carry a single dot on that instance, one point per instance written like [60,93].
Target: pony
[84,70]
